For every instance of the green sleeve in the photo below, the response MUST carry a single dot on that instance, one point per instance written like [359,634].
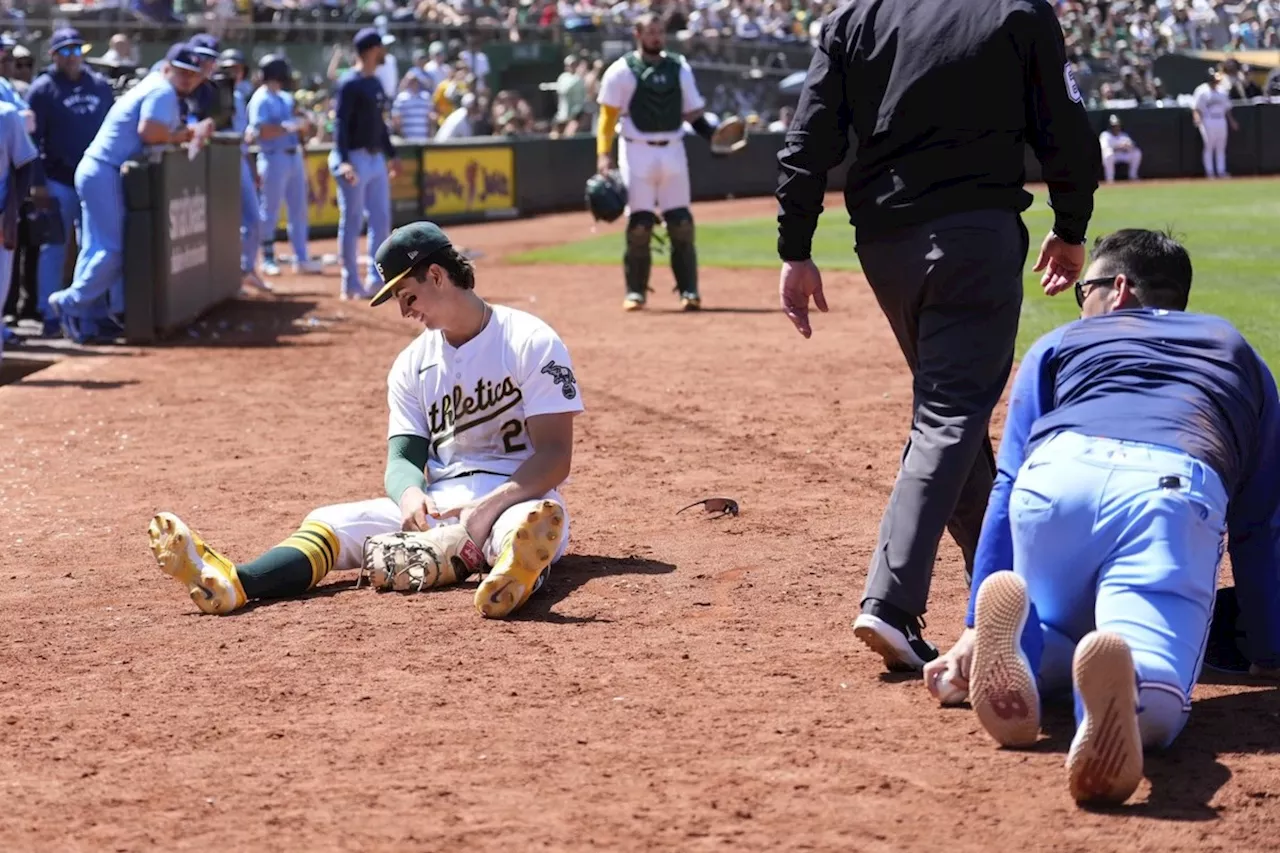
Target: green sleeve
[406,461]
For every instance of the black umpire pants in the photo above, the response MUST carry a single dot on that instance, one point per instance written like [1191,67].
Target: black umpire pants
[952,292]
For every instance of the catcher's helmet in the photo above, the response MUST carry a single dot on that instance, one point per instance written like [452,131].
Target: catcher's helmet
[275,67]
[606,196]
[230,57]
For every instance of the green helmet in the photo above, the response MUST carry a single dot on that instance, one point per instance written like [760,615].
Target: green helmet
[606,196]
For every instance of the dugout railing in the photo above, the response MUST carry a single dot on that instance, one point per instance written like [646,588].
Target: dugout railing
[182,220]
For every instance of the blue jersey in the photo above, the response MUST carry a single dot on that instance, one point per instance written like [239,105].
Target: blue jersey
[240,121]
[268,107]
[16,147]
[152,99]
[1189,382]
[358,123]
[68,115]
[10,96]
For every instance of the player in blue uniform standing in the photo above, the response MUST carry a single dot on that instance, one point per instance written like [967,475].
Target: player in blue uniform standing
[363,160]
[70,103]
[281,165]
[148,114]
[231,62]
[18,156]
[1137,437]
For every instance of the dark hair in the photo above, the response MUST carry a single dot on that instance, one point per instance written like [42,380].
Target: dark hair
[1155,263]
[454,264]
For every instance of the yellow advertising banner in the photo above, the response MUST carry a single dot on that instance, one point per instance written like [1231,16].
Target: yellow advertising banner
[465,179]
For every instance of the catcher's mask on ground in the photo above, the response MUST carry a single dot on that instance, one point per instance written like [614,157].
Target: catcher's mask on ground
[719,507]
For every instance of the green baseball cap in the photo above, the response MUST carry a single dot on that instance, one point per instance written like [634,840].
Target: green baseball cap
[402,251]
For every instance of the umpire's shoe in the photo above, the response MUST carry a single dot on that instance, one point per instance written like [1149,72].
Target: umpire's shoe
[522,566]
[1104,764]
[690,302]
[1002,682]
[895,636]
[209,577]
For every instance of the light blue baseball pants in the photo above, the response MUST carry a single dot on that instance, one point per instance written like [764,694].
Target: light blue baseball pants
[1124,537]
[284,178]
[371,194]
[250,219]
[53,257]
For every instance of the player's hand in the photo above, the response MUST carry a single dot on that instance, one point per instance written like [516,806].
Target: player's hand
[1062,263]
[799,281]
[415,508]
[604,164]
[476,517]
[959,657]
[347,172]
[393,168]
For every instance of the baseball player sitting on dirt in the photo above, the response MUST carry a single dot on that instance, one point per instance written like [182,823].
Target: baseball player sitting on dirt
[483,401]
[1137,437]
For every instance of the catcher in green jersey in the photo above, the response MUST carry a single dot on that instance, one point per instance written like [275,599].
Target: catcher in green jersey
[650,94]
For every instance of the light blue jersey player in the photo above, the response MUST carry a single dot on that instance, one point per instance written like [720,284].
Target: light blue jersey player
[148,114]
[232,63]
[281,165]
[1141,441]
[17,156]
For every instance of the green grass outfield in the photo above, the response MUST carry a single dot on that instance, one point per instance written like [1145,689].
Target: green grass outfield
[1231,228]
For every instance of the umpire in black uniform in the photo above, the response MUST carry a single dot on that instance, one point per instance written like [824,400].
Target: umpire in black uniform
[943,96]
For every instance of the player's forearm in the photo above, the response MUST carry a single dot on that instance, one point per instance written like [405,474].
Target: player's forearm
[546,469]
[605,129]
[406,464]
[155,133]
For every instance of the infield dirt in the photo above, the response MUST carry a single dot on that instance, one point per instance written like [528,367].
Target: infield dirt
[682,683]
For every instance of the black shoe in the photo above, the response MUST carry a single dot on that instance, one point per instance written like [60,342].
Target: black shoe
[895,636]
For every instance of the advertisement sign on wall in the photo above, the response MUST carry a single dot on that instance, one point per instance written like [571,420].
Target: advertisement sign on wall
[322,192]
[465,180]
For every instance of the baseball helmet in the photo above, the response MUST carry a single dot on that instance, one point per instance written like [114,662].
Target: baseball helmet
[230,57]
[606,196]
[275,67]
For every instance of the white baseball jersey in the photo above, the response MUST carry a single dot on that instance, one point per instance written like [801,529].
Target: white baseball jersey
[471,402]
[1111,142]
[619,84]
[1212,103]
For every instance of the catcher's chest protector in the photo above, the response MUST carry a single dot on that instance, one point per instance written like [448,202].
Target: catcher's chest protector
[658,104]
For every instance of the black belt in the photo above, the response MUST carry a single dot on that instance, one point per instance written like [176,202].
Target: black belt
[657,143]
[288,151]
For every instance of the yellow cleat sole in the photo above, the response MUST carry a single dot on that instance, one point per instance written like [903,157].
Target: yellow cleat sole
[182,555]
[525,557]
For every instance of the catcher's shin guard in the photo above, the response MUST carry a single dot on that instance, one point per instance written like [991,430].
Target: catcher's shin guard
[525,556]
[209,577]
[638,259]
[684,256]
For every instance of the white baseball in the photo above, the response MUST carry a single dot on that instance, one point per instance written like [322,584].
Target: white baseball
[953,688]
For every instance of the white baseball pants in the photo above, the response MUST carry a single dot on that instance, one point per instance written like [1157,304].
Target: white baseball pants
[1214,134]
[1133,157]
[657,176]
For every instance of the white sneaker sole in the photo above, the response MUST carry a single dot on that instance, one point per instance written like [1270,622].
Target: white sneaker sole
[1105,761]
[1002,686]
[888,642]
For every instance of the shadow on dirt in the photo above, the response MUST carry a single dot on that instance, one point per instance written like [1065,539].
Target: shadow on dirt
[573,571]
[1186,777]
[253,322]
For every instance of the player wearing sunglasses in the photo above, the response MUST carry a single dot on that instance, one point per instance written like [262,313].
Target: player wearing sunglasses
[1142,440]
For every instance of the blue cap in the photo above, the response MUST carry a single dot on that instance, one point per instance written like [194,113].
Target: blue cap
[366,39]
[204,45]
[183,56]
[66,37]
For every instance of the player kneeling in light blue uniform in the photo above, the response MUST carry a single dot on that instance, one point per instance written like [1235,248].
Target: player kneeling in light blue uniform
[148,114]
[1137,437]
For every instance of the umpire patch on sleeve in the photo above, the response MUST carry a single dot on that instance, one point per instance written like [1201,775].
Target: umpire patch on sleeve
[563,377]
[1073,89]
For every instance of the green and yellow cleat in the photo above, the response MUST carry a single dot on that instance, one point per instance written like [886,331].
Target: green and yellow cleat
[524,558]
[209,577]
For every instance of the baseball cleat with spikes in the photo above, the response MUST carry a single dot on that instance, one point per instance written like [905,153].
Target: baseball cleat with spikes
[209,577]
[524,558]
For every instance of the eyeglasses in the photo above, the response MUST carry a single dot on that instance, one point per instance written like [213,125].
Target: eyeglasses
[70,50]
[1091,283]
[720,507]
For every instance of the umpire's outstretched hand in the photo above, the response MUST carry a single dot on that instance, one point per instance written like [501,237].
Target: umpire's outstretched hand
[799,281]
[1062,263]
